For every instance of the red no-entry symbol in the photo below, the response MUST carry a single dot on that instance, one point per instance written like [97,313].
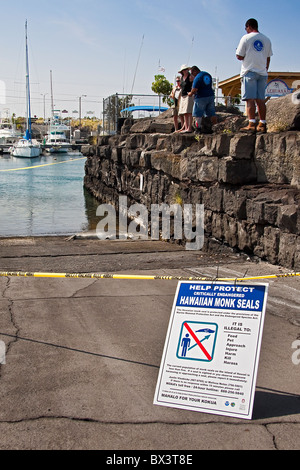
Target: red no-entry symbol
[208,356]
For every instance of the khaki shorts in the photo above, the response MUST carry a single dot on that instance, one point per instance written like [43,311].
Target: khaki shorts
[186,105]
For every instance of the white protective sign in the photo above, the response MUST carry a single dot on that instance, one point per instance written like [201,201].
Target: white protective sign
[212,348]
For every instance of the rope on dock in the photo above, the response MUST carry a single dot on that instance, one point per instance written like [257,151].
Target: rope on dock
[142,277]
[45,164]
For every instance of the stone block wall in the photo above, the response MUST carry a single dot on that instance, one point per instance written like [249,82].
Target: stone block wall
[249,184]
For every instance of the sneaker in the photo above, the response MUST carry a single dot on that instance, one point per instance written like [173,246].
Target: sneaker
[251,127]
[261,127]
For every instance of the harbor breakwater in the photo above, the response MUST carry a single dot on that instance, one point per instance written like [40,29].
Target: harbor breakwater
[249,184]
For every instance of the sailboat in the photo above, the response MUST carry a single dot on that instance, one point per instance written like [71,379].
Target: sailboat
[26,147]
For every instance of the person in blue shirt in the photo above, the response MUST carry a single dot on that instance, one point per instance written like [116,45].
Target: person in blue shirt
[204,97]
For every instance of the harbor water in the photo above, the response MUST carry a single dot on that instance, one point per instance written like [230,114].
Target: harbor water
[44,196]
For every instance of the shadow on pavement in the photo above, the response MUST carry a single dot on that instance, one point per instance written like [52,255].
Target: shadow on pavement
[273,403]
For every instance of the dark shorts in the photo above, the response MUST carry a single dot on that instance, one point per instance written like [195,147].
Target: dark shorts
[204,106]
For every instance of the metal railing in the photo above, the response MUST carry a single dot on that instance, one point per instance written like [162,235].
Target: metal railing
[114,106]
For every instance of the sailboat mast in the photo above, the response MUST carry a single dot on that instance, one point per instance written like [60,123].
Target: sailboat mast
[28,109]
[52,105]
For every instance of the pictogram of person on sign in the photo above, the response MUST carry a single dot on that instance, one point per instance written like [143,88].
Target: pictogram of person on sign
[185,343]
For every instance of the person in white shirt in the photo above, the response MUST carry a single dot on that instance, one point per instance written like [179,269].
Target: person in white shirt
[255,51]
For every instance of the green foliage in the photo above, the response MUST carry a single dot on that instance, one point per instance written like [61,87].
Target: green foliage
[90,124]
[163,87]
[236,100]
[114,106]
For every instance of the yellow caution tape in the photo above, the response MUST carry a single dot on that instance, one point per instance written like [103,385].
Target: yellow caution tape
[46,164]
[141,277]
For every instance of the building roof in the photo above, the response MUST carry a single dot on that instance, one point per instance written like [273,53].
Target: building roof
[232,86]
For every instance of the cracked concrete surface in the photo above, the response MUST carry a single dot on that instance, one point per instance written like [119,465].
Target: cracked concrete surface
[82,355]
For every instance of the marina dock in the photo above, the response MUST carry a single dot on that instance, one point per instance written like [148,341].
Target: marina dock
[4,148]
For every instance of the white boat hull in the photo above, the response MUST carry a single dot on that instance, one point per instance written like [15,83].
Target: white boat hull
[25,149]
[56,140]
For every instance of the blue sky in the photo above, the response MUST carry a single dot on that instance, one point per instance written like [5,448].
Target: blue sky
[100,47]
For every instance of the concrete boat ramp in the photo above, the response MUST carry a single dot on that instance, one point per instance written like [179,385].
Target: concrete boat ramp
[83,355]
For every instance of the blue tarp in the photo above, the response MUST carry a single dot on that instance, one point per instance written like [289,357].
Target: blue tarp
[144,108]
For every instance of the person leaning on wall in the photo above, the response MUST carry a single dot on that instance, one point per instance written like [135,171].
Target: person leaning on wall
[204,97]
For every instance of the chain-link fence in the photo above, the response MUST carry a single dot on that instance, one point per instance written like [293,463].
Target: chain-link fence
[118,107]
